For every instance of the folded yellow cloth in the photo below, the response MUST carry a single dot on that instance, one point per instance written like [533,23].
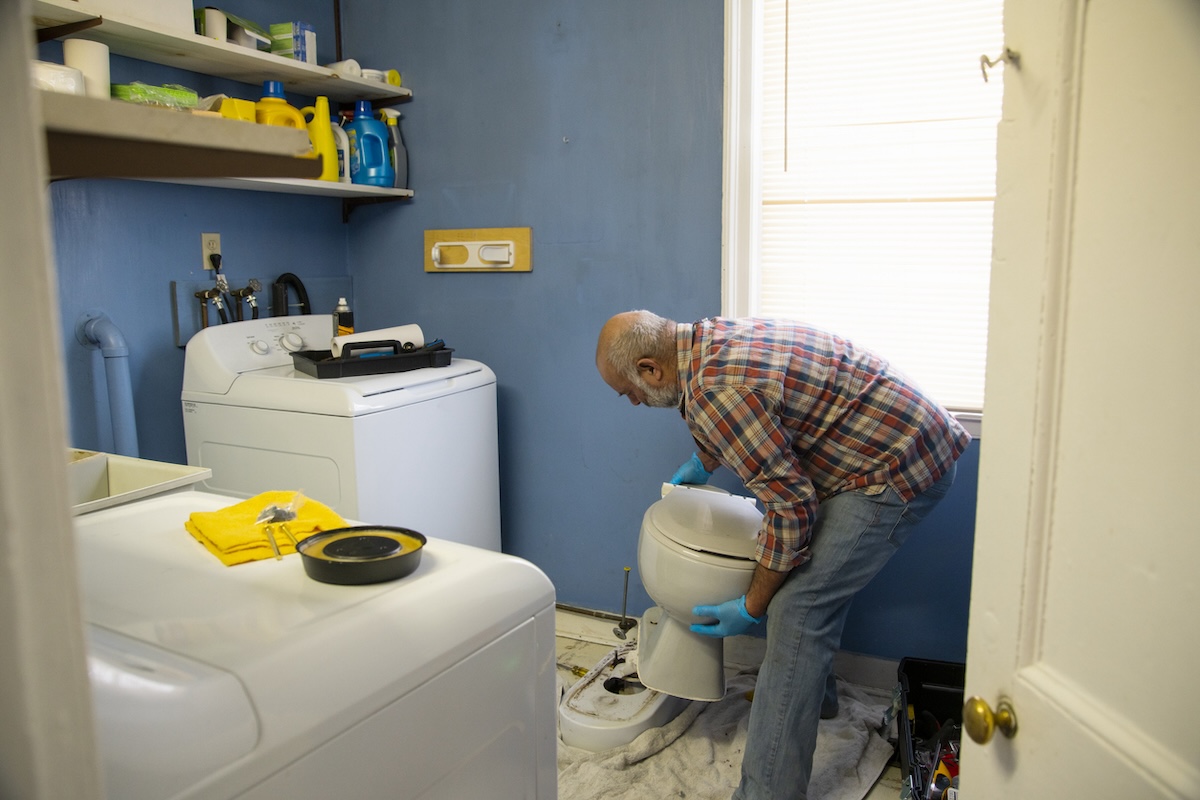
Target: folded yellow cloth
[233,535]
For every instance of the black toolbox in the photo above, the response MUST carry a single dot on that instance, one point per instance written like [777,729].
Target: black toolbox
[930,727]
[371,358]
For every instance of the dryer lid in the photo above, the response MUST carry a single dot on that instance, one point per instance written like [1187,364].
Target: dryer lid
[714,522]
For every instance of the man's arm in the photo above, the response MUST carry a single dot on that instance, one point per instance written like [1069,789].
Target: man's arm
[763,586]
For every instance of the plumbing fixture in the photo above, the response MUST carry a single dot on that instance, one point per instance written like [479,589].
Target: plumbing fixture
[626,623]
[279,295]
[247,293]
[94,329]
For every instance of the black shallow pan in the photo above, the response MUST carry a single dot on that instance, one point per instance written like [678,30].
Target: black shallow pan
[365,554]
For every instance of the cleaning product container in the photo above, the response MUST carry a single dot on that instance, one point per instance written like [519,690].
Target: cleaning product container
[274,109]
[370,163]
[320,133]
[399,152]
[342,143]
[343,318]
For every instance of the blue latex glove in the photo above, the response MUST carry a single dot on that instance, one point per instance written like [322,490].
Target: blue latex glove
[732,619]
[692,471]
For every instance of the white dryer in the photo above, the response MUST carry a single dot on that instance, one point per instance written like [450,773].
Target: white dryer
[257,682]
[414,449]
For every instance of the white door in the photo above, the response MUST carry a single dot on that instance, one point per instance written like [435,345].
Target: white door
[1085,607]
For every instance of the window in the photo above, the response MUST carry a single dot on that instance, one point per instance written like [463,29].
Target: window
[860,176]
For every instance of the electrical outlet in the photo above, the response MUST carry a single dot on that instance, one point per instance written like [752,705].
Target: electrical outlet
[210,244]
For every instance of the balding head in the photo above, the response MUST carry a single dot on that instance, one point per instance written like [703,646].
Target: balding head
[636,356]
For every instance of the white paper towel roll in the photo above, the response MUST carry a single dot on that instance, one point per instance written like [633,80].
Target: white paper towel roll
[90,58]
[405,334]
[216,24]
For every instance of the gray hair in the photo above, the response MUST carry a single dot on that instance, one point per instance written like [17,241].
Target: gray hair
[646,336]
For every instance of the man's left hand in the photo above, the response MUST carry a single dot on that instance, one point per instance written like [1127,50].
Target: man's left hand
[732,619]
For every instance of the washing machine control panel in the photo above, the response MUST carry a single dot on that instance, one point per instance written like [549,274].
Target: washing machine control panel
[255,344]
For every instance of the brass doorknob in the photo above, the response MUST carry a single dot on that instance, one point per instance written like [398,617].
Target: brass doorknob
[981,723]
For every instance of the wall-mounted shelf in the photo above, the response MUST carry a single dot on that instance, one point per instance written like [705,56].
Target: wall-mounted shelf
[302,186]
[91,138]
[353,195]
[189,51]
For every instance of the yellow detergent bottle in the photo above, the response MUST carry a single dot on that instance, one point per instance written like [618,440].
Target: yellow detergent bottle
[320,133]
[273,109]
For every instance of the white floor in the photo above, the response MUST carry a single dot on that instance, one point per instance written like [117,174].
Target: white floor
[584,639]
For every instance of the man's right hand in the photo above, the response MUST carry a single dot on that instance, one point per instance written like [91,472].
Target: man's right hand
[692,471]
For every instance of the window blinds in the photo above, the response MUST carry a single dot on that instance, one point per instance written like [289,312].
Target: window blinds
[878,176]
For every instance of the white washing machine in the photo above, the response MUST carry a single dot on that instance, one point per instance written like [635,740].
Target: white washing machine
[413,449]
[257,682]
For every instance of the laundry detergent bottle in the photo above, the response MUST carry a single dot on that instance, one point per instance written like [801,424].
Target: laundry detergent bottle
[274,109]
[320,133]
[342,142]
[370,162]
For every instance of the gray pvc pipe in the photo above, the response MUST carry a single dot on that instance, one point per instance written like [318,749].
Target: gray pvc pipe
[95,329]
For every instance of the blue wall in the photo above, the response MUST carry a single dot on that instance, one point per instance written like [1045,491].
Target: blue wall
[598,125]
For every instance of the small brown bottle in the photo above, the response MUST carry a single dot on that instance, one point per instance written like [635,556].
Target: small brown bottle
[343,318]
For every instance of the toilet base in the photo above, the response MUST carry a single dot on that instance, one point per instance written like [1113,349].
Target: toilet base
[603,710]
[675,661]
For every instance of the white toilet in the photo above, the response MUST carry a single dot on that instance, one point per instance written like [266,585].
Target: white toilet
[696,547]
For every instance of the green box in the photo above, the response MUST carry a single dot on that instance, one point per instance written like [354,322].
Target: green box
[170,96]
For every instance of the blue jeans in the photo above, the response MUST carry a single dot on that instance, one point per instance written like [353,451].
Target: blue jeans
[855,535]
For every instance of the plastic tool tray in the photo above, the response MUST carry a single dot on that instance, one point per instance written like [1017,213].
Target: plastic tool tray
[931,696]
[370,358]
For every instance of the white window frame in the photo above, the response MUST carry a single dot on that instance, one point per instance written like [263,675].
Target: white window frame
[740,184]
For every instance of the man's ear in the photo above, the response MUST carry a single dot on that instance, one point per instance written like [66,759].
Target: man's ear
[651,371]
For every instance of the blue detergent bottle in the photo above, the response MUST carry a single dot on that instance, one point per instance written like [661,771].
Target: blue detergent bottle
[370,163]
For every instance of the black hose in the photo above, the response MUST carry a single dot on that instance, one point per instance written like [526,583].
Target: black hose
[285,280]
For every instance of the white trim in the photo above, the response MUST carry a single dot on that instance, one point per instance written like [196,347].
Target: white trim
[740,218]
[972,421]
[47,741]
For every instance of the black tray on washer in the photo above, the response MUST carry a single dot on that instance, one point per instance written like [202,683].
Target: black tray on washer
[374,361]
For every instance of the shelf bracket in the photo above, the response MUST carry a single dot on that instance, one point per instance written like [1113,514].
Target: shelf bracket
[59,31]
[351,203]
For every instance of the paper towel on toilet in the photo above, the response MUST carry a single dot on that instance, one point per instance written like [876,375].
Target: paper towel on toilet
[409,337]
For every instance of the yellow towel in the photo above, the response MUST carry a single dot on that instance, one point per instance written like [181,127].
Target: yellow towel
[232,535]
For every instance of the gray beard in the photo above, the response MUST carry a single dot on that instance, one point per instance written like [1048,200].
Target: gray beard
[663,397]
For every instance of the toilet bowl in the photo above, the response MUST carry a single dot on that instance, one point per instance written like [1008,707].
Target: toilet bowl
[696,547]
[609,707]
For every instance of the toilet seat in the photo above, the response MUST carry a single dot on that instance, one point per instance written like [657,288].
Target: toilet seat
[718,525]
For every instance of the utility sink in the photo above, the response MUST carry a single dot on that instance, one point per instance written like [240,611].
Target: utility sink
[100,480]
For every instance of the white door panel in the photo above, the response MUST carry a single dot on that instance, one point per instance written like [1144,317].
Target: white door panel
[1084,597]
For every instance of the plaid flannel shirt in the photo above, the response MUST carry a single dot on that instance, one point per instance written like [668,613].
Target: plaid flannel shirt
[801,415]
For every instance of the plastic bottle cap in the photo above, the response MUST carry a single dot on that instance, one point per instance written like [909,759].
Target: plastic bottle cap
[362,109]
[272,89]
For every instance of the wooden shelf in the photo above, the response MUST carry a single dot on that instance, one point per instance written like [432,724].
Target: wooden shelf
[189,51]
[302,186]
[91,138]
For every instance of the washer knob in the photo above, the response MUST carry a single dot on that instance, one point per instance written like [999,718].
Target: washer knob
[260,347]
[291,342]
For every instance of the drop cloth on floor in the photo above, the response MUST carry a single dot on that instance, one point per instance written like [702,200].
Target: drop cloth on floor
[698,755]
